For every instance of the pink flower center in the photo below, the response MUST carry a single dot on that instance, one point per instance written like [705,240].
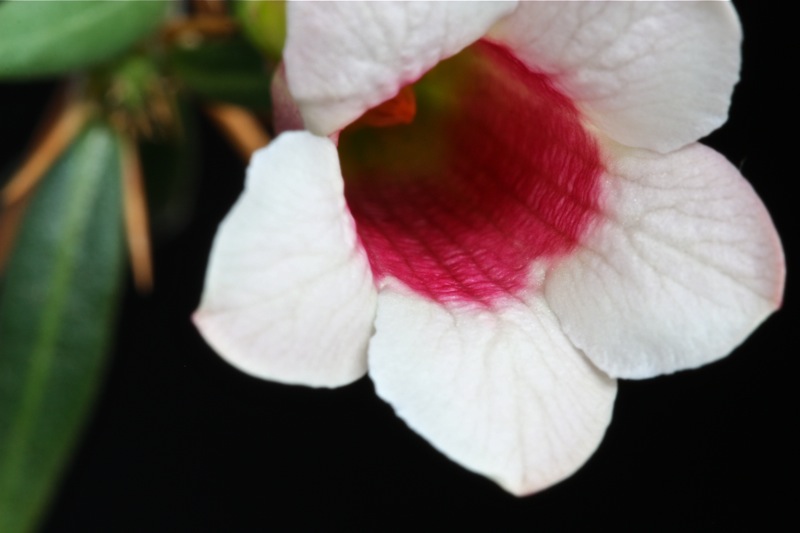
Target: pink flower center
[459,191]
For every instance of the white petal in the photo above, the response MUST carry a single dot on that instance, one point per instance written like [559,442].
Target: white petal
[655,75]
[343,58]
[686,265]
[289,294]
[501,392]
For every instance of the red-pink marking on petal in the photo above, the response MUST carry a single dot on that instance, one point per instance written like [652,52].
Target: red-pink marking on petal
[460,204]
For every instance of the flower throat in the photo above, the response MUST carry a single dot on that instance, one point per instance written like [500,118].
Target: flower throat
[469,176]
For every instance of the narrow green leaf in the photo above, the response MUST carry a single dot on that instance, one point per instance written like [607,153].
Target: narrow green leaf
[57,313]
[229,71]
[50,38]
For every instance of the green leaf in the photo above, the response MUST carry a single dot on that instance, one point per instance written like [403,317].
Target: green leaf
[57,314]
[229,71]
[264,24]
[50,38]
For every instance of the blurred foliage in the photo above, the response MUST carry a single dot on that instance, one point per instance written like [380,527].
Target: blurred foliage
[264,24]
[56,320]
[137,66]
[170,167]
[50,38]
[228,70]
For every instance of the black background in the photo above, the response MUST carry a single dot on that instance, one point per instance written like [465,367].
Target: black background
[180,441]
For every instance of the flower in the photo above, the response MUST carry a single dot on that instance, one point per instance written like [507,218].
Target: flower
[530,221]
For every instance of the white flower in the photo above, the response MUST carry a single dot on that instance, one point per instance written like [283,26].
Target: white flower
[545,225]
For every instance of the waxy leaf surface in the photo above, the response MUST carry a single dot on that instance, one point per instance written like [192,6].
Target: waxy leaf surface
[49,38]
[56,319]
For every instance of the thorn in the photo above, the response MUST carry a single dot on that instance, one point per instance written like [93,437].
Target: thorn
[137,228]
[52,144]
[240,126]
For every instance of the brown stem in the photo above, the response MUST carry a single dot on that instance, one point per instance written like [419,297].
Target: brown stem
[240,126]
[136,220]
[52,144]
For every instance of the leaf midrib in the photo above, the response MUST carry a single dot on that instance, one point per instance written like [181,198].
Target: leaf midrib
[83,193]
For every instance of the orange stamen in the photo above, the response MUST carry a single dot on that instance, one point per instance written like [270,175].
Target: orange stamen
[399,110]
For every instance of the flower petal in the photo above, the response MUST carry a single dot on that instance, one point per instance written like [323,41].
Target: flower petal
[289,294]
[343,58]
[686,266]
[285,113]
[654,75]
[501,392]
